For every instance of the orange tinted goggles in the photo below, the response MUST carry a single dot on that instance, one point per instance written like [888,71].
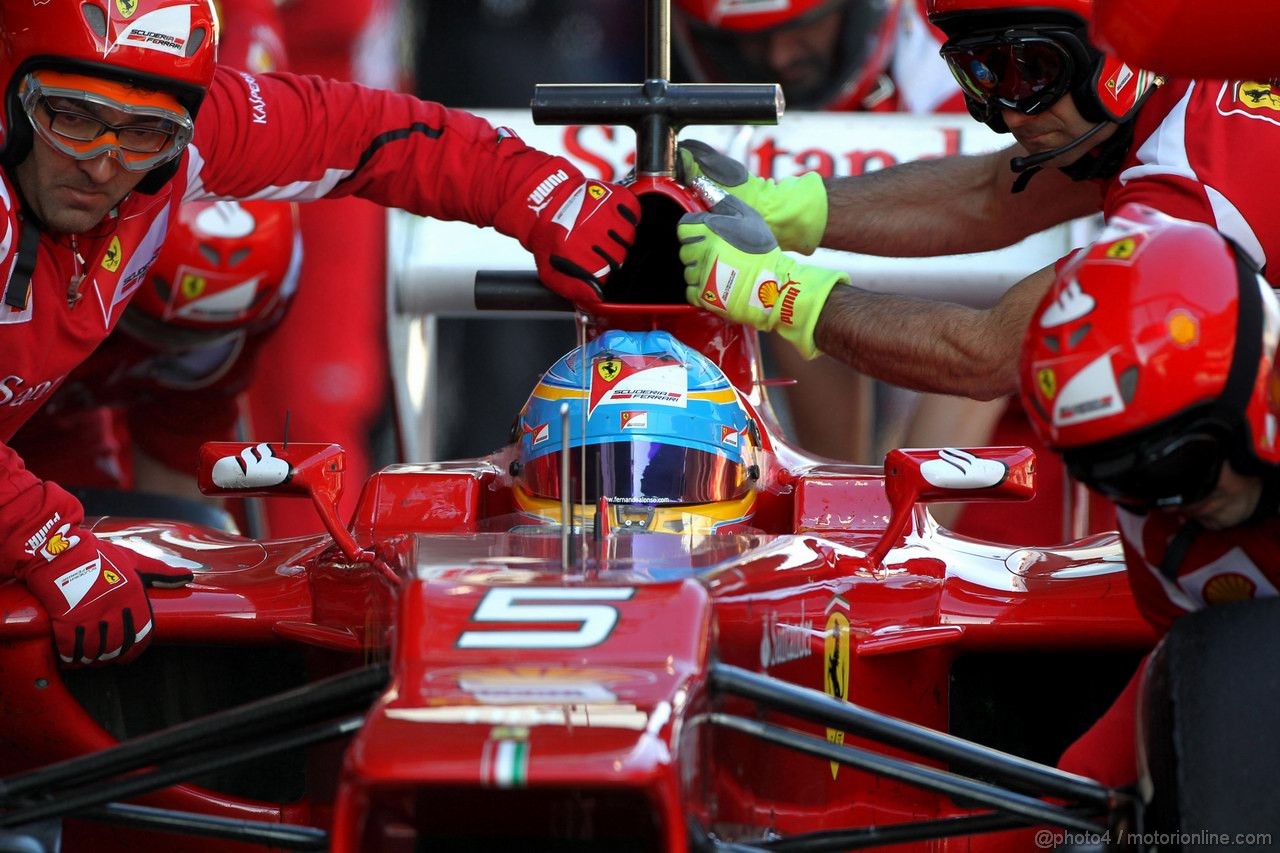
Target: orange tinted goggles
[81,117]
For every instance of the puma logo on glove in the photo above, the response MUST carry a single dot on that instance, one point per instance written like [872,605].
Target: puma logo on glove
[578,229]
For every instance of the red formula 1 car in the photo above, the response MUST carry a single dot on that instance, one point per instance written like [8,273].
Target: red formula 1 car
[456,669]
[646,625]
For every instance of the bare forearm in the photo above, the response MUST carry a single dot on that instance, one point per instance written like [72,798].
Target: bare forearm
[948,206]
[931,346]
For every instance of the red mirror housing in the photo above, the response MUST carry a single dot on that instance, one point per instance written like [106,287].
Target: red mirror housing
[951,474]
[243,469]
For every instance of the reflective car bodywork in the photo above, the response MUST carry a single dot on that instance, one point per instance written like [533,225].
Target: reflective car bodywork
[551,697]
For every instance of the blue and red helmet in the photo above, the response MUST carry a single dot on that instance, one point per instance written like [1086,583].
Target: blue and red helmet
[655,429]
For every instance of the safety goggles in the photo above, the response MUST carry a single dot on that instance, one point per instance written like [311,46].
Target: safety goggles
[1174,469]
[1025,72]
[66,112]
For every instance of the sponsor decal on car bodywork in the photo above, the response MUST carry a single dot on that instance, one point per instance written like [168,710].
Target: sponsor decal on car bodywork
[835,664]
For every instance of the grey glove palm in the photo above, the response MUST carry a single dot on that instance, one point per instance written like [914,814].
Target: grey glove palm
[794,208]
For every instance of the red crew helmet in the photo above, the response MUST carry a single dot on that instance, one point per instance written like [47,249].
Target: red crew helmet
[167,46]
[1151,361]
[836,56]
[224,266]
[1024,56]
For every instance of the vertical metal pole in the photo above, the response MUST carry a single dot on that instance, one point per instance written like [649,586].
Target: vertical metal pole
[566,500]
[655,137]
[657,40]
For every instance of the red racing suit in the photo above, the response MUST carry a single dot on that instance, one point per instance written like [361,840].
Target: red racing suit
[1193,143]
[1193,147]
[166,401]
[1217,567]
[272,136]
[131,394]
[1195,154]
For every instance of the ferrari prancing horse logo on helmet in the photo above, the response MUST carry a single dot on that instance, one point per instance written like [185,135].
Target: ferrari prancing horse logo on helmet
[1048,382]
[1122,250]
[127,7]
[609,369]
[192,286]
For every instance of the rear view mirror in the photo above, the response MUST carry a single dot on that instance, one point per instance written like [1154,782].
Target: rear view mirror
[241,469]
[244,469]
[951,474]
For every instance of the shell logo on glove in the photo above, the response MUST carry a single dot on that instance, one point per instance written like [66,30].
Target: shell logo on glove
[768,293]
[50,544]
[58,543]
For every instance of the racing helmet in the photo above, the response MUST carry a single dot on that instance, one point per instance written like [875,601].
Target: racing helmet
[225,265]
[1151,362]
[161,50]
[657,434]
[1014,54]
[846,45]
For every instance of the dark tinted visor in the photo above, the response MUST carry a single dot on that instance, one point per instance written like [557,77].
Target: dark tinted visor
[1026,73]
[1181,470]
[639,472]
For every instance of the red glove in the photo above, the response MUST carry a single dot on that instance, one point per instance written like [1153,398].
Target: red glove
[578,230]
[94,592]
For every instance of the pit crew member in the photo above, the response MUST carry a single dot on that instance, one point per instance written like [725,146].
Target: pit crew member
[1150,367]
[170,377]
[113,114]
[1091,134]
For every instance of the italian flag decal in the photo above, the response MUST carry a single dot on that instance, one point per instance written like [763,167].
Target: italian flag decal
[505,764]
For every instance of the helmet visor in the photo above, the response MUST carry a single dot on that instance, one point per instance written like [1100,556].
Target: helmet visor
[86,117]
[1176,471]
[638,472]
[1023,73]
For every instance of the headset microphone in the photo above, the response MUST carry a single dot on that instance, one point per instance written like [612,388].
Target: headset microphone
[1026,167]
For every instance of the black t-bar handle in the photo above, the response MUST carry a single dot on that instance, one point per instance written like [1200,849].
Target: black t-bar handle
[657,109]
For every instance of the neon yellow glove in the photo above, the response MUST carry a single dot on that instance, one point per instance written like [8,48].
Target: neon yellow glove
[795,208]
[733,267]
